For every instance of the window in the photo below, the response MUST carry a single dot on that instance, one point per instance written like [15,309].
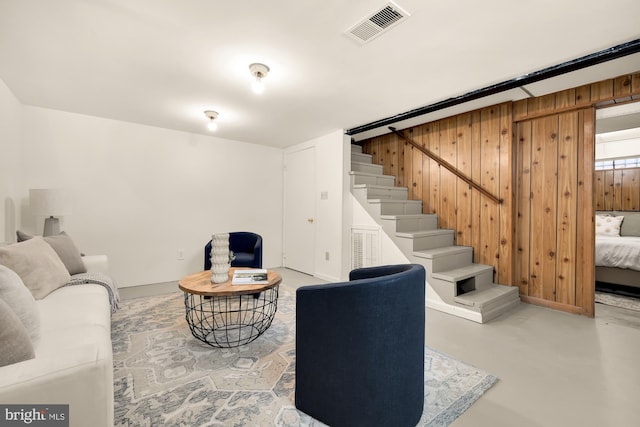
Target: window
[618,163]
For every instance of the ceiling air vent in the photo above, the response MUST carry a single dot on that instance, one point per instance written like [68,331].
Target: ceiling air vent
[377,23]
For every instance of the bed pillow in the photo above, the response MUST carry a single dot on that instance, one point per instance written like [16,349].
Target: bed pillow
[631,225]
[608,225]
[37,264]
[64,247]
[21,301]
[14,338]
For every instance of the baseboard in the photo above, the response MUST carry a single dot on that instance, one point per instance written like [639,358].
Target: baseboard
[138,291]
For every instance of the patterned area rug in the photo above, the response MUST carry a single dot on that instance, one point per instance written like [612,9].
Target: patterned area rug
[622,301]
[163,376]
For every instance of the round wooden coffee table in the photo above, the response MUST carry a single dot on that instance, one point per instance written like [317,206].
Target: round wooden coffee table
[226,315]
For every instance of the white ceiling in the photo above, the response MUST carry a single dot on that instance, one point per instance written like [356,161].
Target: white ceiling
[163,62]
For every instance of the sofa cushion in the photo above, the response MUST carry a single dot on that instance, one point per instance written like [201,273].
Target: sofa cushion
[21,301]
[14,339]
[64,247]
[608,225]
[37,264]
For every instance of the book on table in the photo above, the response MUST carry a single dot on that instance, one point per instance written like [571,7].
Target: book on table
[250,277]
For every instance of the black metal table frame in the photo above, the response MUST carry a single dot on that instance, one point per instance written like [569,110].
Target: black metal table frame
[230,321]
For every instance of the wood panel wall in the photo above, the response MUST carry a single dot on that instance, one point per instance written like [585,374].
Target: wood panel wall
[617,189]
[537,154]
[479,145]
[554,167]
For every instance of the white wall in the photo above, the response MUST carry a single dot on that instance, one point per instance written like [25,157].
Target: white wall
[330,158]
[618,144]
[142,193]
[11,176]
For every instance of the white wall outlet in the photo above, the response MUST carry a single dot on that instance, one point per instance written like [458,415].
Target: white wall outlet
[180,255]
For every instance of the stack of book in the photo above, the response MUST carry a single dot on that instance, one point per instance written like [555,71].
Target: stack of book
[250,277]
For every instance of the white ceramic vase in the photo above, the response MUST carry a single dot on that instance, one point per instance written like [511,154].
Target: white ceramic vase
[220,257]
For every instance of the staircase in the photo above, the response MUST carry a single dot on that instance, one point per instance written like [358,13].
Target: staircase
[455,285]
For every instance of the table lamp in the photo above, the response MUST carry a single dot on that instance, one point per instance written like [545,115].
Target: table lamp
[48,202]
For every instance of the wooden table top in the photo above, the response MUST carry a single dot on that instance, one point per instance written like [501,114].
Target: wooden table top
[200,284]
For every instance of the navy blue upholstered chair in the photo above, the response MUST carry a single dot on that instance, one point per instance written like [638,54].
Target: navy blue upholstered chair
[246,246]
[360,348]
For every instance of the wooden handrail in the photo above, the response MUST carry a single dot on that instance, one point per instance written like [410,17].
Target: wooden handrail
[448,166]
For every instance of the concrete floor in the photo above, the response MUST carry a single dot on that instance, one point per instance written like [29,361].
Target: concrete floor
[555,368]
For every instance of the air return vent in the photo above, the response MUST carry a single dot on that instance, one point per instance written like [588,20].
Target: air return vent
[365,247]
[377,23]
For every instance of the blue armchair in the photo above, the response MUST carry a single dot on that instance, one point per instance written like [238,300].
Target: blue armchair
[360,348]
[246,246]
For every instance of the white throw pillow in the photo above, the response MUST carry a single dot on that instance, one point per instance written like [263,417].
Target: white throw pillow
[14,338]
[21,301]
[37,264]
[608,225]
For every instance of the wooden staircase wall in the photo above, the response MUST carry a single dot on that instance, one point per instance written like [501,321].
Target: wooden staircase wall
[484,145]
[479,145]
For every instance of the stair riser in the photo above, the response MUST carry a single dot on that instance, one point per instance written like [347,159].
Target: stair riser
[356,148]
[432,242]
[368,168]
[388,181]
[381,193]
[504,299]
[361,157]
[416,224]
[397,208]
[408,245]
[451,262]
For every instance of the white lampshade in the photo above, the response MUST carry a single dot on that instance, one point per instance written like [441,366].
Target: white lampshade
[49,202]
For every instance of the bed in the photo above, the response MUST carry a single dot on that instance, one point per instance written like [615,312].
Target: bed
[618,248]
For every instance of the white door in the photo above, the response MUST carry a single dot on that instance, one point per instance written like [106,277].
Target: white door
[299,210]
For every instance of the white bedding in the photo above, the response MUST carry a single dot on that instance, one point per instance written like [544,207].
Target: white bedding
[620,252]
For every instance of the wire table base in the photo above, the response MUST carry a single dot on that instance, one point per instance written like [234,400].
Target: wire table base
[230,321]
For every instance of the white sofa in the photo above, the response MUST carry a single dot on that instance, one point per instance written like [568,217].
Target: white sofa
[73,361]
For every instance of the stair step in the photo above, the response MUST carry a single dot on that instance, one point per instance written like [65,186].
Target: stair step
[371,178]
[355,148]
[442,252]
[423,233]
[414,222]
[384,191]
[487,298]
[393,206]
[366,167]
[462,273]
[361,157]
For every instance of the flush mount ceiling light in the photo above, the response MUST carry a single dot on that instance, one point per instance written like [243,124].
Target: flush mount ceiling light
[259,71]
[212,115]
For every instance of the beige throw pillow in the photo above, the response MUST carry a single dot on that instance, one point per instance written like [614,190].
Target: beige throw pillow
[37,264]
[64,247]
[14,338]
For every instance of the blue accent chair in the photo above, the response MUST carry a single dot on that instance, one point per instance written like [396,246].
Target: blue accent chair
[360,348]
[246,246]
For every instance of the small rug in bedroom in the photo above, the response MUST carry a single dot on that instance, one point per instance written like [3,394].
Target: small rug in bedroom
[615,300]
[163,376]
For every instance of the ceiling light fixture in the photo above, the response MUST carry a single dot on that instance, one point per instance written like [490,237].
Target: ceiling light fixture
[259,71]
[212,115]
